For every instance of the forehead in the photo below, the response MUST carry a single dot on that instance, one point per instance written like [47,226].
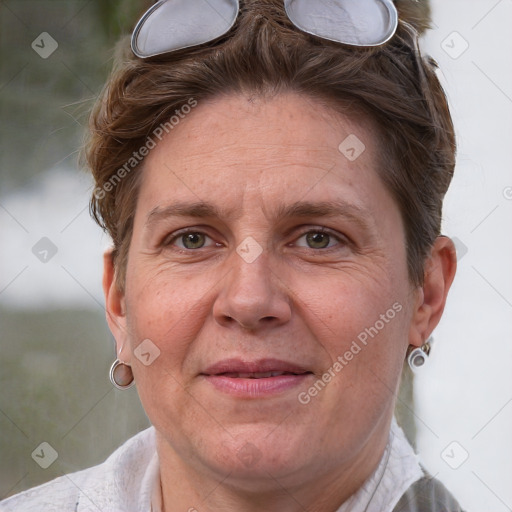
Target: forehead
[288,141]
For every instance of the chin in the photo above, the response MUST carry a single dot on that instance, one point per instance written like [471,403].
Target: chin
[255,461]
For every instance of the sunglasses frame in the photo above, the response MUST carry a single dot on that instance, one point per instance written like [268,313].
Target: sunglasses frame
[389,4]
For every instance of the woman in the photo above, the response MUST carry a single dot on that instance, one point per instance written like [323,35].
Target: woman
[272,176]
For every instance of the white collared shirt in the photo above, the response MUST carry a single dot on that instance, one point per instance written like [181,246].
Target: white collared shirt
[129,481]
[398,469]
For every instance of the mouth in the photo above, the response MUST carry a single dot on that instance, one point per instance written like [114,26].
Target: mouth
[257,375]
[255,379]
[259,369]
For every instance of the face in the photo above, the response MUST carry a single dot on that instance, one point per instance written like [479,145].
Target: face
[267,307]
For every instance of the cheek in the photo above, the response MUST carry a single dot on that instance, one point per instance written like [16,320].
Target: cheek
[163,306]
[160,308]
[366,342]
[356,300]
[365,325]
[359,323]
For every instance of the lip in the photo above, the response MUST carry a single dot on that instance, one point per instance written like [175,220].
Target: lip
[223,377]
[259,366]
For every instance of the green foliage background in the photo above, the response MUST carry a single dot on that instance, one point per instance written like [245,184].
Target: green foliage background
[54,364]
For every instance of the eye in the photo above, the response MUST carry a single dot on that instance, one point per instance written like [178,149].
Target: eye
[189,239]
[321,239]
[314,239]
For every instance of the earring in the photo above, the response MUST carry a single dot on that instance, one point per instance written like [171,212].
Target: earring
[121,375]
[417,357]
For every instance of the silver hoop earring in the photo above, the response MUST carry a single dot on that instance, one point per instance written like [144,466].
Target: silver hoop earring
[419,356]
[121,375]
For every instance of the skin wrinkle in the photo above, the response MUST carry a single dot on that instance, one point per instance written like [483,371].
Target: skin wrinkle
[361,247]
[294,304]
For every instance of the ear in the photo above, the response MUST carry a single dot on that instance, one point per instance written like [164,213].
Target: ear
[440,270]
[115,308]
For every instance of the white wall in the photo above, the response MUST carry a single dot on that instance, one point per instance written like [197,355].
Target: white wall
[465,394]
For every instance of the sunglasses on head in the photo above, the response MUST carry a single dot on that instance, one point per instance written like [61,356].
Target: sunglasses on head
[171,25]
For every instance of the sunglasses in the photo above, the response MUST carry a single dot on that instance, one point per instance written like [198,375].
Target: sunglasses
[171,25]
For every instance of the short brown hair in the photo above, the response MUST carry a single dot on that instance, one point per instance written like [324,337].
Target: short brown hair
[265,54]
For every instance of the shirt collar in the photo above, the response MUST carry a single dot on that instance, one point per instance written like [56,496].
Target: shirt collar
[397,470]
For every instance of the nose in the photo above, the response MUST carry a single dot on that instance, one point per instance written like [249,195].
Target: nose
[252,295]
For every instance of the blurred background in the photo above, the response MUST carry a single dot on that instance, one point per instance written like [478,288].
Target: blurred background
[55,347]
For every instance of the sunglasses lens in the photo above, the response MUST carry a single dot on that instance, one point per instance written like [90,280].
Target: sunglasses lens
[174,24]
[354,22]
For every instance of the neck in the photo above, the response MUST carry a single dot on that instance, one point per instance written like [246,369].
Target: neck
[193,488]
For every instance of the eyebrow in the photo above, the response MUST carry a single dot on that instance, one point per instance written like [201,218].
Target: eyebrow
[298,209]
